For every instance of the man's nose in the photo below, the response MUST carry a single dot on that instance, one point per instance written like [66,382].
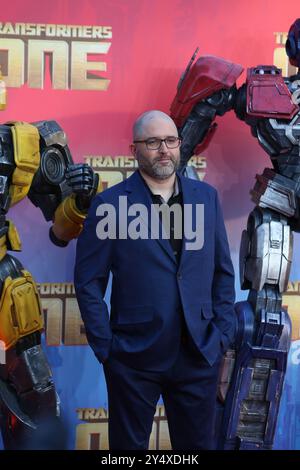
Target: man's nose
[163,147]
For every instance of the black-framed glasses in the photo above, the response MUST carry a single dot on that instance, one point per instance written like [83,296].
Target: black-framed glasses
[154,143]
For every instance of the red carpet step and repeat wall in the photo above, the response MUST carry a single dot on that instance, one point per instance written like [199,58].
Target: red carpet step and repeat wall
[93,66]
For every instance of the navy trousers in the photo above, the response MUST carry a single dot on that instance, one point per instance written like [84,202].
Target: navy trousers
[188,390]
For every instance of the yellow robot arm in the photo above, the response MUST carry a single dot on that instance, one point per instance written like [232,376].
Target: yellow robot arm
[68,218]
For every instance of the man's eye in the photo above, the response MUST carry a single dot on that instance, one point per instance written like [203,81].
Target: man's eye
[171,140]
[153,141]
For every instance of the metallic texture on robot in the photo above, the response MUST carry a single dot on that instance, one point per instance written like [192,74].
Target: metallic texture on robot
[208,89]
[34,160]
[267,94]
[276,192]
[68,220]
[20,297]
[27,159]
[70,214]
[252,377]
[205,78]
[266,251]
[49,186]
[9,241]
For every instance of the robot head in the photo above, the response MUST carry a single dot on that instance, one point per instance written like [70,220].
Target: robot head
[292,45]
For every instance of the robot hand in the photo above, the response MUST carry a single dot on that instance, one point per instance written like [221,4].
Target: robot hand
[84,183]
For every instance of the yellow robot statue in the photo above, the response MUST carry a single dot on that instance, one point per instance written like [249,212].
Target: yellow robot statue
[35,161]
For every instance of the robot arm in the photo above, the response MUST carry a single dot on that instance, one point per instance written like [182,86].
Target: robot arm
[207,89]
[70,214]
[62,190]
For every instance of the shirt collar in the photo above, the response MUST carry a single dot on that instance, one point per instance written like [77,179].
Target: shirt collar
[176,190]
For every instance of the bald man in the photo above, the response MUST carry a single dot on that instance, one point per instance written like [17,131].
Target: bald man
[162,237]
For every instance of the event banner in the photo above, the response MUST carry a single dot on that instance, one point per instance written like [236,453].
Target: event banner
[94,66]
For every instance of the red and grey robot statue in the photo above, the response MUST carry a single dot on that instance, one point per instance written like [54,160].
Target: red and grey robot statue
[35,161]
[266,102]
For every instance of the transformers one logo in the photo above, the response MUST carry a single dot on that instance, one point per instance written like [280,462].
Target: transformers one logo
[93,433]
[63,323]
[72,53]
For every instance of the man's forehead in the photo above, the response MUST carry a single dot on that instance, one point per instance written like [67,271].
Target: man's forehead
[158,126]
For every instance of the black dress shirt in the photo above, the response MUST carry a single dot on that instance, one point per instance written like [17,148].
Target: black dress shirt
[176,198]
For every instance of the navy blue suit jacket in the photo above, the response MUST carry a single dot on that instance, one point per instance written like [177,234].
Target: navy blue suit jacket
[150,291]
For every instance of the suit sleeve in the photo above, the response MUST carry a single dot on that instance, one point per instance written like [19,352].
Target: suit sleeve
[92,268]
[223,293]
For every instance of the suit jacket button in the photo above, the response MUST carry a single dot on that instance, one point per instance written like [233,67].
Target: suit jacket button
[179,276]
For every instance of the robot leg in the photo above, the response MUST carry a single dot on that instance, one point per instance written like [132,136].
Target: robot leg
[28,401]
[264,331]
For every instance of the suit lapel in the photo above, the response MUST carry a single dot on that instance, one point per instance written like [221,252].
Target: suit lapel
[189,193]
[138,194]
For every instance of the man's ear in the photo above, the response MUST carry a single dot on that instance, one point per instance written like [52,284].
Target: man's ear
[133,149]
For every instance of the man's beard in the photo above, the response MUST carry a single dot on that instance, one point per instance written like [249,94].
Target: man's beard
[155,169]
